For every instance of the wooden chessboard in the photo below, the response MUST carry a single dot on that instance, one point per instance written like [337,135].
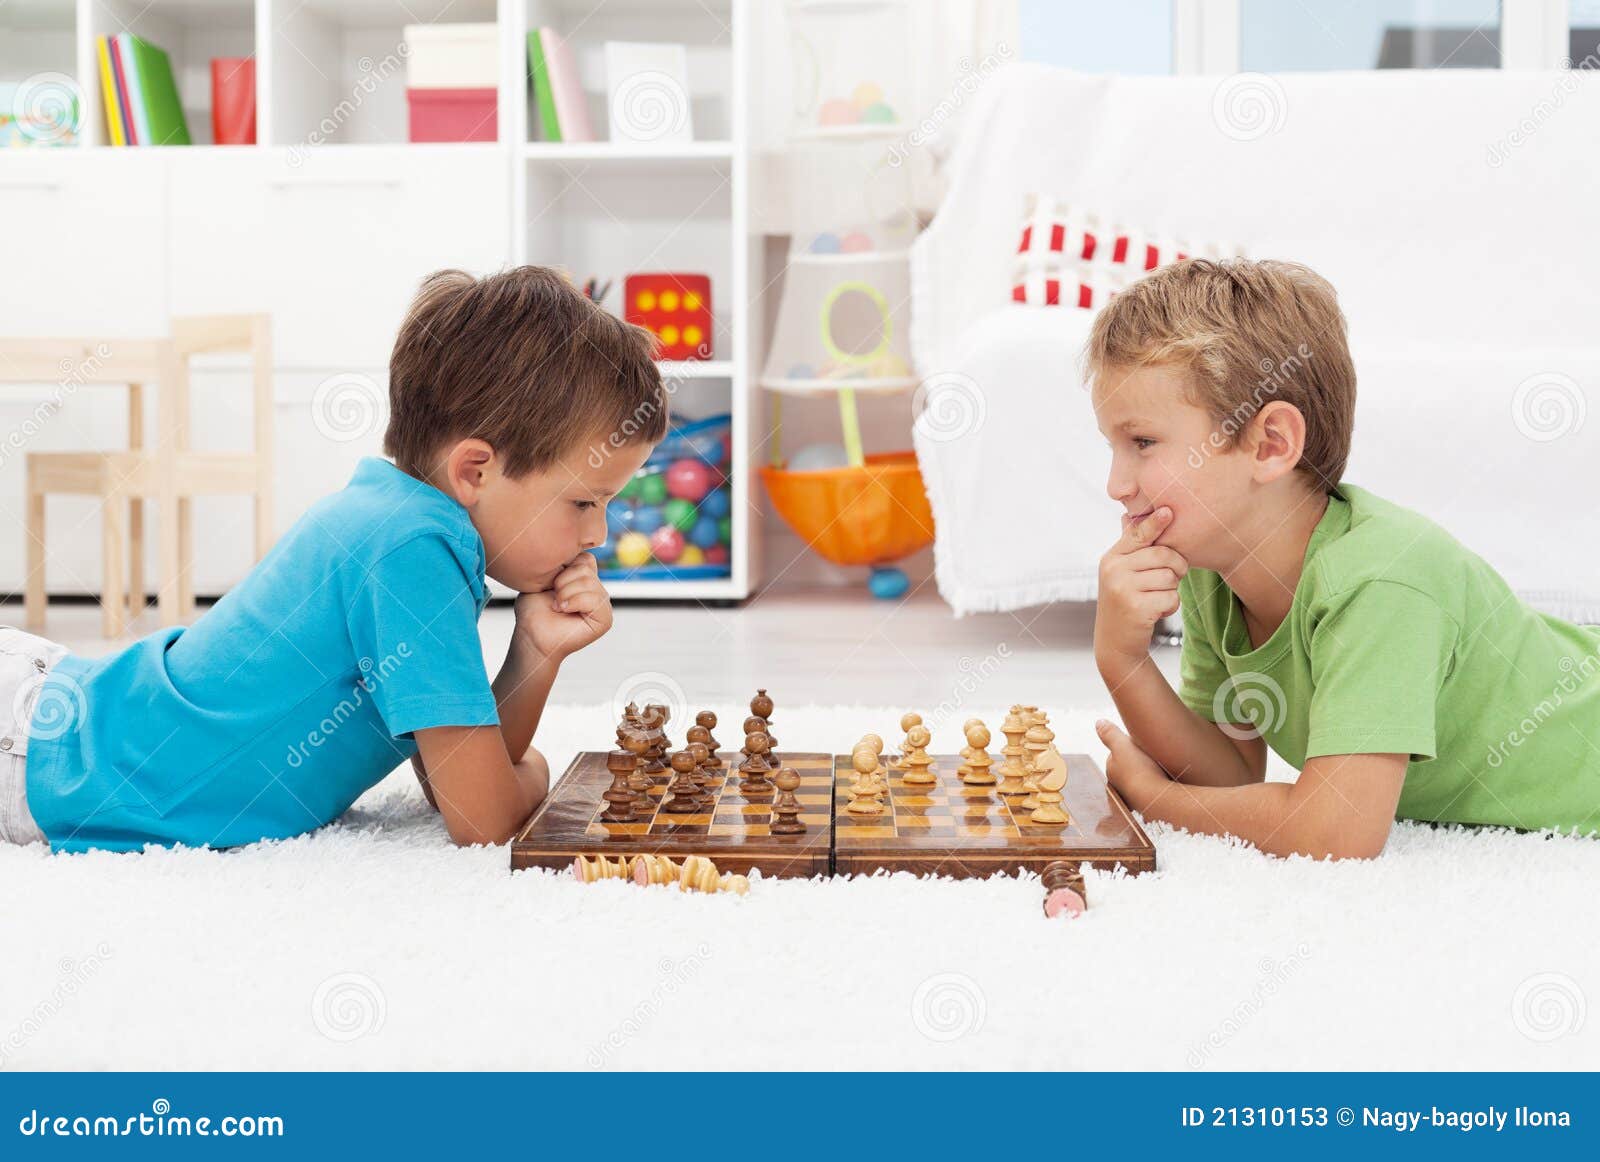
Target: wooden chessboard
[736,834]
[953,829]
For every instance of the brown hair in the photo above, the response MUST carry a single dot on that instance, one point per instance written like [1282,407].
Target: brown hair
[523,361]
[1248,332]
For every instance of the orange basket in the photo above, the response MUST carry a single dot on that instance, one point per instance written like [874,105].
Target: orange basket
[867,515]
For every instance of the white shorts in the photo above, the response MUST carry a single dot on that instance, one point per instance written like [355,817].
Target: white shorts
[24,662]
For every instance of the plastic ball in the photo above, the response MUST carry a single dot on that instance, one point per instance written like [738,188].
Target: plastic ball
[824,244]
[725,530]
[633,550]
[647,518]
[680,513]
[608,550]
[718,503]
[837,113]
[631,489]
[802,371]
[866,93]
[667,544]
[878,114]
[855,243]
[717,555]
[816,457]
[619,517]
[887,584]
[691,556]
[705,532]
[652,488]
[689,479]
[727,449]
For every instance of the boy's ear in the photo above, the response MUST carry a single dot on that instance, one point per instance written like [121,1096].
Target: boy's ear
[1277,440]
[467,468]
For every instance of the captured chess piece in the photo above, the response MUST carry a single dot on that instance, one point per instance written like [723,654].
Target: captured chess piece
[654,869]
[918,761]
[618,796]
[979,761]
[863,788]
[699,874]
[707,720]
[786,808]
[684,790]
[907,721]
[755,768]
[1063,889]
[588,871]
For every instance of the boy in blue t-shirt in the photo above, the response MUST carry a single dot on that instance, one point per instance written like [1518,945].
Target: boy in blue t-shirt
[518,407]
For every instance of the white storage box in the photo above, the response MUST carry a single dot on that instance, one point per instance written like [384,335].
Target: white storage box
[452,56]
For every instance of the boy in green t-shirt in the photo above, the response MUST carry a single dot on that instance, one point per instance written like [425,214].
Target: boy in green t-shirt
[1357,639]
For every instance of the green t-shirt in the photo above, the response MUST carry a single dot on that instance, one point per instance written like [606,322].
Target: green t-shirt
[1401,641]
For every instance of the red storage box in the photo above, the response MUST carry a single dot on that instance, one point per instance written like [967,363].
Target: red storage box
[453,114]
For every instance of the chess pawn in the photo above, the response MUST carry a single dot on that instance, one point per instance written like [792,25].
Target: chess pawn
[755,723]
[863,790]
[684,790]
[978,760]
[654,869]
[663,715]
[964,770]
[786,808]
[697,751]
[918,761]
[761,706]
[1063,889]
[619,797]
[755,769]
[708,720]
[907,721]
[875,741]
[700,734]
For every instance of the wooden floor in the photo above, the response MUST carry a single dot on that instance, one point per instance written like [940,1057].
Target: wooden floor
[815,646]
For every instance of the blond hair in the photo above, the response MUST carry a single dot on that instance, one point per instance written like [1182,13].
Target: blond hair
[1248,332]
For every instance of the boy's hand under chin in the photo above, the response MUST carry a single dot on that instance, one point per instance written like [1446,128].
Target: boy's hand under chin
[574,612]
[1138,587]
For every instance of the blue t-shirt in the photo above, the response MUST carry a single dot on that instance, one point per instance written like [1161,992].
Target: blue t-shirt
[295,693]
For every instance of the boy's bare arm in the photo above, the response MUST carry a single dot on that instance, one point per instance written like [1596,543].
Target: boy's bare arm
[1342,806]
[483,796]
[1139,586]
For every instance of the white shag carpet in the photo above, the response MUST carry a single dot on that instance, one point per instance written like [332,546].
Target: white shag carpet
[375,944]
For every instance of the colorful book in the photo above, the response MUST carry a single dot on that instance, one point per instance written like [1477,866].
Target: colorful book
[130,70]
[119,71]
[572,111]
[108,91]
[160,110]
[543,99]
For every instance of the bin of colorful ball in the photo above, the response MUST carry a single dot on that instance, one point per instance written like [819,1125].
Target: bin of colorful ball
[674,519]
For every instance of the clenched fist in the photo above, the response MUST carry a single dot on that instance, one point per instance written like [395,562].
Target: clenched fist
[1138,587]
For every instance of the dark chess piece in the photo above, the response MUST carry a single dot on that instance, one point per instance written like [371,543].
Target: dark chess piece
[699,734]
[755,768]
[1063,888]
[786,808]
[761,705]
[684,790]
[636,741]
[707,719]
[697,750]
[630,717]
[664,715]
[655,757]
[619,799]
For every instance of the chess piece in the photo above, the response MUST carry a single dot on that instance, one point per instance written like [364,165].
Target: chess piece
[697,751]
[755,768]
[708,720]
[1051,776]
[1034,743]
[875,741]
[630,717]
[863,790]
[589,871]
[1063,889]
[636,741]
[964,770]
[918,761]
[618,796]
[907,721]
[654,869]
[1011,770]
[663,714]
[685,791]
[699,874]
[655,755]
[700,734]
[978,759]
[786,808]
[761,705]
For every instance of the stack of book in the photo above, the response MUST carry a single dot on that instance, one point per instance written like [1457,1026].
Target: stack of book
[141,98]
[558,97]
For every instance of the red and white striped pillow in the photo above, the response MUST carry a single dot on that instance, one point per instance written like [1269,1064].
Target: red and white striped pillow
[1067,258]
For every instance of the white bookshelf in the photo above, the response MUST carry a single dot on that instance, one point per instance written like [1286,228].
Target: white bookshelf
[334,214]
